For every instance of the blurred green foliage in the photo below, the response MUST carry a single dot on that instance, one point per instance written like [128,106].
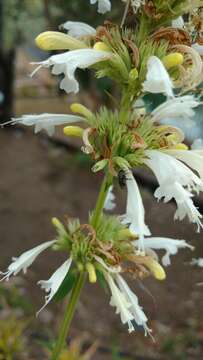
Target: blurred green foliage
[14,306]
[11,338]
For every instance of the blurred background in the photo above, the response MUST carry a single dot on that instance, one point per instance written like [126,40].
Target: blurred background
[43,177]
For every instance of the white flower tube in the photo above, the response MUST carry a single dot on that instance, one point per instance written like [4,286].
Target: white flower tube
[157,79]
[171,246]
[52,285]
[78,29]
[103,5]
[138,314]
[110,200]
[179,108]
[197,145]
[198,262]
[198,48]
[178,23]
[135,213]
[119,301]
[45,121]
[25,260]
[173,176]
[67,63]
[190,157]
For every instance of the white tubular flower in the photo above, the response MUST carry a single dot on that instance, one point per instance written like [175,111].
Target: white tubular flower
[198,48]
[171,246]
[173,176]
[198,262]
[67,63]
[135,213]
[46,122]
[110,269]
[78,29]
[52,285]
[157,79]
[103,5]
[110,200]
[136,4]
[119,301]
[192,158]
[178,23]
[25,260]
[197,145]
[179,108]
[139,316]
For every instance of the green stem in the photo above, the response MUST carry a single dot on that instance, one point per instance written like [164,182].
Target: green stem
[68,316]
[101,199]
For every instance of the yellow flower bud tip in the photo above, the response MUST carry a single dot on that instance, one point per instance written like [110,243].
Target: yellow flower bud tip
[133,75]
[126,233]
[156,269]
[91,272]
[76,131]
[181,146]
[173,59]
[54,40]
[101,46]
[56,222]
[81,109]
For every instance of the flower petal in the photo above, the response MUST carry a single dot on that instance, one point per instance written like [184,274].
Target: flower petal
[45,121]
[52,285]
[110,200]
[157,79]
[171,246]
[78,29]
[103,5]
[25,260]
[135,213]
[67,63]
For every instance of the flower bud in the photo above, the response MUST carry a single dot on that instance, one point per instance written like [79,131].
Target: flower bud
[91,272]
[173,59]
[76,131]
[180,146]
[81,109]
[133,75]
[100,165]
[54,40]
[56,222]
[101,46]
[156,269]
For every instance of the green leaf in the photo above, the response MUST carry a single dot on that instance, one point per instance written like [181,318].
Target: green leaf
[101,280]
[66,286]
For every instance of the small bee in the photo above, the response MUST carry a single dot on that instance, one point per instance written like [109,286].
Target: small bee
[122,178]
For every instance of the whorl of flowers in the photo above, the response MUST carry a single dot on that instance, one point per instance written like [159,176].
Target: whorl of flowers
[156,55]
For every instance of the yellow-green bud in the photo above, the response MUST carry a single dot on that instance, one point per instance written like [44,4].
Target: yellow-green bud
[81,109]
[180,146]
[91,272]
[76,131]
[173,59]
[156,269]
[56,222]
[54,40]
[126,233]
[133,75]
[101,46]
[100,165]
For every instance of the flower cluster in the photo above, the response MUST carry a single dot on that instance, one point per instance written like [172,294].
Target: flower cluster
[158,54]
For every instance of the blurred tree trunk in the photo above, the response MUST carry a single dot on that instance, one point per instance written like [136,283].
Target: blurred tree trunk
[7,60]
[6,84]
